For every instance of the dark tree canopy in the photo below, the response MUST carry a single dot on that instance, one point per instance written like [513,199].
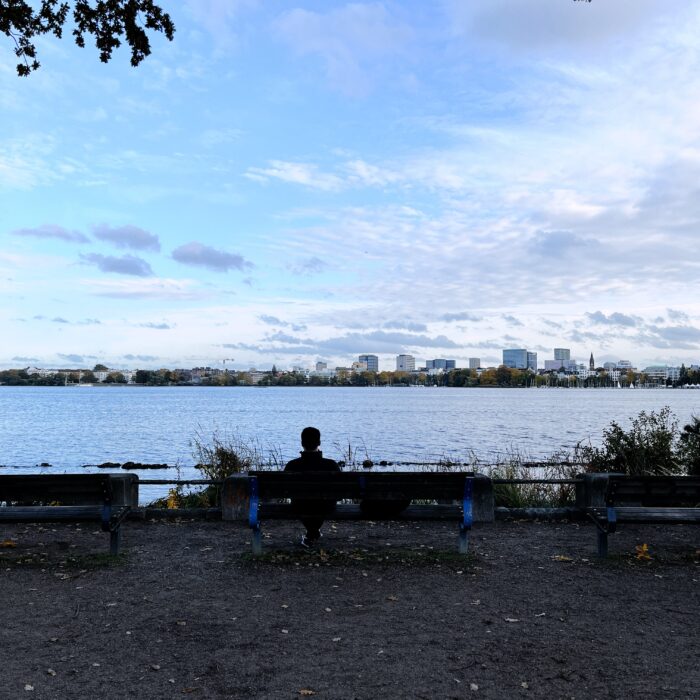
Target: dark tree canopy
[110,22]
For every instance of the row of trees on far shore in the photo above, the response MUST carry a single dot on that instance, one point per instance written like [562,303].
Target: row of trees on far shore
[493,377]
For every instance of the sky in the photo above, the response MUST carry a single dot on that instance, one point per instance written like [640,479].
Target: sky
[287,182]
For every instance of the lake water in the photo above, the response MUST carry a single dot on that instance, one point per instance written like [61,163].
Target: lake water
[69,427]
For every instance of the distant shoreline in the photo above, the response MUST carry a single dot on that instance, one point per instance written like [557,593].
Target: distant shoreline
[332,386]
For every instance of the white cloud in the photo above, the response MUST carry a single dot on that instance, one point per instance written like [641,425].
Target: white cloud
[159,288]
[305,174]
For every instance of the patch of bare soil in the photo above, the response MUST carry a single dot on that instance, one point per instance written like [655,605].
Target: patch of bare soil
[382,610]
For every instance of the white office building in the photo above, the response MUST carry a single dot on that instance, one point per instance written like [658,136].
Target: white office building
[405,363]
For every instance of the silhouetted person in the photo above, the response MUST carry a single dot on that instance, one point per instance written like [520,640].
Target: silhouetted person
[312,460]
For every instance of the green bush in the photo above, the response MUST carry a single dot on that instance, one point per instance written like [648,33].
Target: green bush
[689,447]
[651,446]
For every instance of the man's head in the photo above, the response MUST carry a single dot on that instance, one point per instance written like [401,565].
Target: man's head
[310,438]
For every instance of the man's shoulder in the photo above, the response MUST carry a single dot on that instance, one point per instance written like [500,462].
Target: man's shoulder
[330,465]
[294,465]
[302,465]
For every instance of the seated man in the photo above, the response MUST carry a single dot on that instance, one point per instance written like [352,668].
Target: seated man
[312,460]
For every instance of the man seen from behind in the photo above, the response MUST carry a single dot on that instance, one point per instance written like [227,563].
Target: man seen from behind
[314,510]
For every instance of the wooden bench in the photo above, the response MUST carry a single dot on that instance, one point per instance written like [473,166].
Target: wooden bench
[48,498]
[645,499]
[378,496]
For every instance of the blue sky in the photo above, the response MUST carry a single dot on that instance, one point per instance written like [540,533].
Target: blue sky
[293,181]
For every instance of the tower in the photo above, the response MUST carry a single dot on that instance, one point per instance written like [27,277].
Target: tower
[591,362]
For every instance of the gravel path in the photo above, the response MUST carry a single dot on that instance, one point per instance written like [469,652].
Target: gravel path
[384,610]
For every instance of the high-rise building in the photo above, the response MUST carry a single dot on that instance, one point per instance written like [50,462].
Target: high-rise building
[372,362]
[515,358]
[532,361]
[556,365]
[440,363]
[562,354]
[405,363]
[320,366]
[474,363]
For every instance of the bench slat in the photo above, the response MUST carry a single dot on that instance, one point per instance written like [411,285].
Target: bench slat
[652,491]
[357,485]
[68,489]
[651,515]
[285,511]
[57,514]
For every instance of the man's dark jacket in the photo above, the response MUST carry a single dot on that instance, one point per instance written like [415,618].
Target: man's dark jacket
[312,462]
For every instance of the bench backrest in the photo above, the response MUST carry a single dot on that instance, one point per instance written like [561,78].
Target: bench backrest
[361,485]
[66,489]
[651,491]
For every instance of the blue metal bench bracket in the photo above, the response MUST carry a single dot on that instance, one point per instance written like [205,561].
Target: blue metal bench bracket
[253,521]
[467,515]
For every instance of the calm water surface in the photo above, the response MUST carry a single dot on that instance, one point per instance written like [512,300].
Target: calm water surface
[73,426]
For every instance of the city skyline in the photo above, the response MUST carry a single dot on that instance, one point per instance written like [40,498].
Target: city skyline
[513,358]
[291,183]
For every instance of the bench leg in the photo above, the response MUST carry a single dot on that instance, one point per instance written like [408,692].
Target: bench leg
[114,541]
[463,540]
[257,541]
[602,544]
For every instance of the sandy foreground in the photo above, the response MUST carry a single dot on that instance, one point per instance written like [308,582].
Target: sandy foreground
[384,610]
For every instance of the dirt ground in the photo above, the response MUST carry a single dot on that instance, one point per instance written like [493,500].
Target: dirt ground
[385,610]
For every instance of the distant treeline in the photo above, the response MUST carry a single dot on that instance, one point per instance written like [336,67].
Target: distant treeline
[494,377]
[19,377]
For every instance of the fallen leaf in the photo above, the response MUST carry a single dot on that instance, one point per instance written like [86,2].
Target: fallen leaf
[306,692]
[524,685]
[29,687]
[473,686]
[392,598]
[9,544]
[51,672]
[327,609]
[285,631]
[643,552]
[511,619]
[540,614]
[561,557]
[155,667]
[337,639]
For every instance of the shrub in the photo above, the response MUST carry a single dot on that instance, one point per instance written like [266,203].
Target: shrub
[689,447]
[649,447]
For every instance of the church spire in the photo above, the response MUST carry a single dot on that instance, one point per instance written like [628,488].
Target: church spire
[591,362]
